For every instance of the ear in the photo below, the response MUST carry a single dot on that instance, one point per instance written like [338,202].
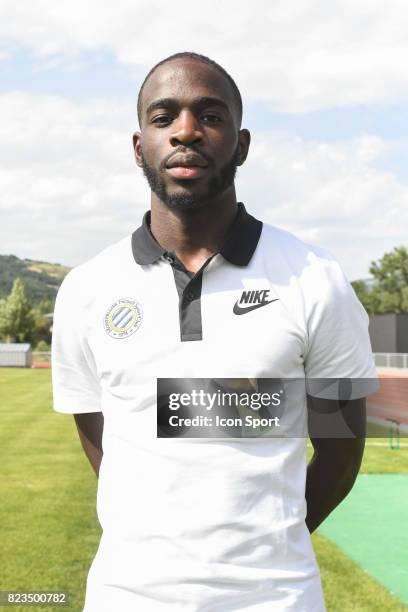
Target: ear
[244,140]
[137,148]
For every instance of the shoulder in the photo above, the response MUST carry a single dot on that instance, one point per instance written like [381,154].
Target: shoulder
[307,264]
[277,239]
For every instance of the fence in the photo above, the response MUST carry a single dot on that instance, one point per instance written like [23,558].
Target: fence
[391,360]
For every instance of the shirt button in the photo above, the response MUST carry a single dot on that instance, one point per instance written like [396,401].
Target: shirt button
[169,258]
[189,295]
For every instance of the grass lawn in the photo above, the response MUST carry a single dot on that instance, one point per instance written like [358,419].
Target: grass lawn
[381,459]
[49,529]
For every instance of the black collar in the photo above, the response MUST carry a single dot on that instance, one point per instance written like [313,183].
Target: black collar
[237,248]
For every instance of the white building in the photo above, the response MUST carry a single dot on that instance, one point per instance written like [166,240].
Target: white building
[15,355]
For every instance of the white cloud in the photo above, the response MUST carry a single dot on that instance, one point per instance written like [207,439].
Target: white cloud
[328,194]
[296,56]
[69,185]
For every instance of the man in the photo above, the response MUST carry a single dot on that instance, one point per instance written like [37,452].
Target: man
[201,290]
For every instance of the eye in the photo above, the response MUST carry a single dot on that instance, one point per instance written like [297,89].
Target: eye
[210,118]
[162,120]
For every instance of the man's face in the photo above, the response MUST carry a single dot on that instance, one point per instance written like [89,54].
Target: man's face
[190,143]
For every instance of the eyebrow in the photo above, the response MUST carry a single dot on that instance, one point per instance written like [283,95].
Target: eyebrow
[202,102]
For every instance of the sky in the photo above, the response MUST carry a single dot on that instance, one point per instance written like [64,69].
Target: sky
[325,91]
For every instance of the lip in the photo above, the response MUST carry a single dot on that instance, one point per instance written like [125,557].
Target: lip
[186,172]
[186,160]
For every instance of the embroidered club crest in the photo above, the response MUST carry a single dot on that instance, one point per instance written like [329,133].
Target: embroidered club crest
[123,318]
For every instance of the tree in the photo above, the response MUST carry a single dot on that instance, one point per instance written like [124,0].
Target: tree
[389,291]
[2,318]
[16,320]
[41,331]
[46,306]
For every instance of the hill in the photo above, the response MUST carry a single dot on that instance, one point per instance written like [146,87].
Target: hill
[41,279]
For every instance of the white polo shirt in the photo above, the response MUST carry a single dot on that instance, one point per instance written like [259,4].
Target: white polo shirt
[203,524]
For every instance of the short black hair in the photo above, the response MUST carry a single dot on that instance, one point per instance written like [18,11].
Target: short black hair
[199,58]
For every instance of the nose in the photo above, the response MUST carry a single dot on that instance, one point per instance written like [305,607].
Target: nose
[186,129]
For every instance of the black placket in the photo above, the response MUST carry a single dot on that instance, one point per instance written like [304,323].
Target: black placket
[189,286]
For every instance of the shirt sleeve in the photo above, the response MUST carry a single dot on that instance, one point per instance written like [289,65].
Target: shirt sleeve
[339,362]
[76,387]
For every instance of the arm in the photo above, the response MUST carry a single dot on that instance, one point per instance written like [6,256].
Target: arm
[334,466]
[90,430]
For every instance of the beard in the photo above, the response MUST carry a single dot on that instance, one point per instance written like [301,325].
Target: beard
[187,201]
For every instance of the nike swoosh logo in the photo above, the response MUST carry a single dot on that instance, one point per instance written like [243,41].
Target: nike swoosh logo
[239,311]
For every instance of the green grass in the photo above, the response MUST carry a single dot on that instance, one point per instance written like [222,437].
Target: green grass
[346,586]
[380,459]
[49,530]
[353,523]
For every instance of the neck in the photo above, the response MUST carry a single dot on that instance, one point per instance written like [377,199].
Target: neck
[193,235]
